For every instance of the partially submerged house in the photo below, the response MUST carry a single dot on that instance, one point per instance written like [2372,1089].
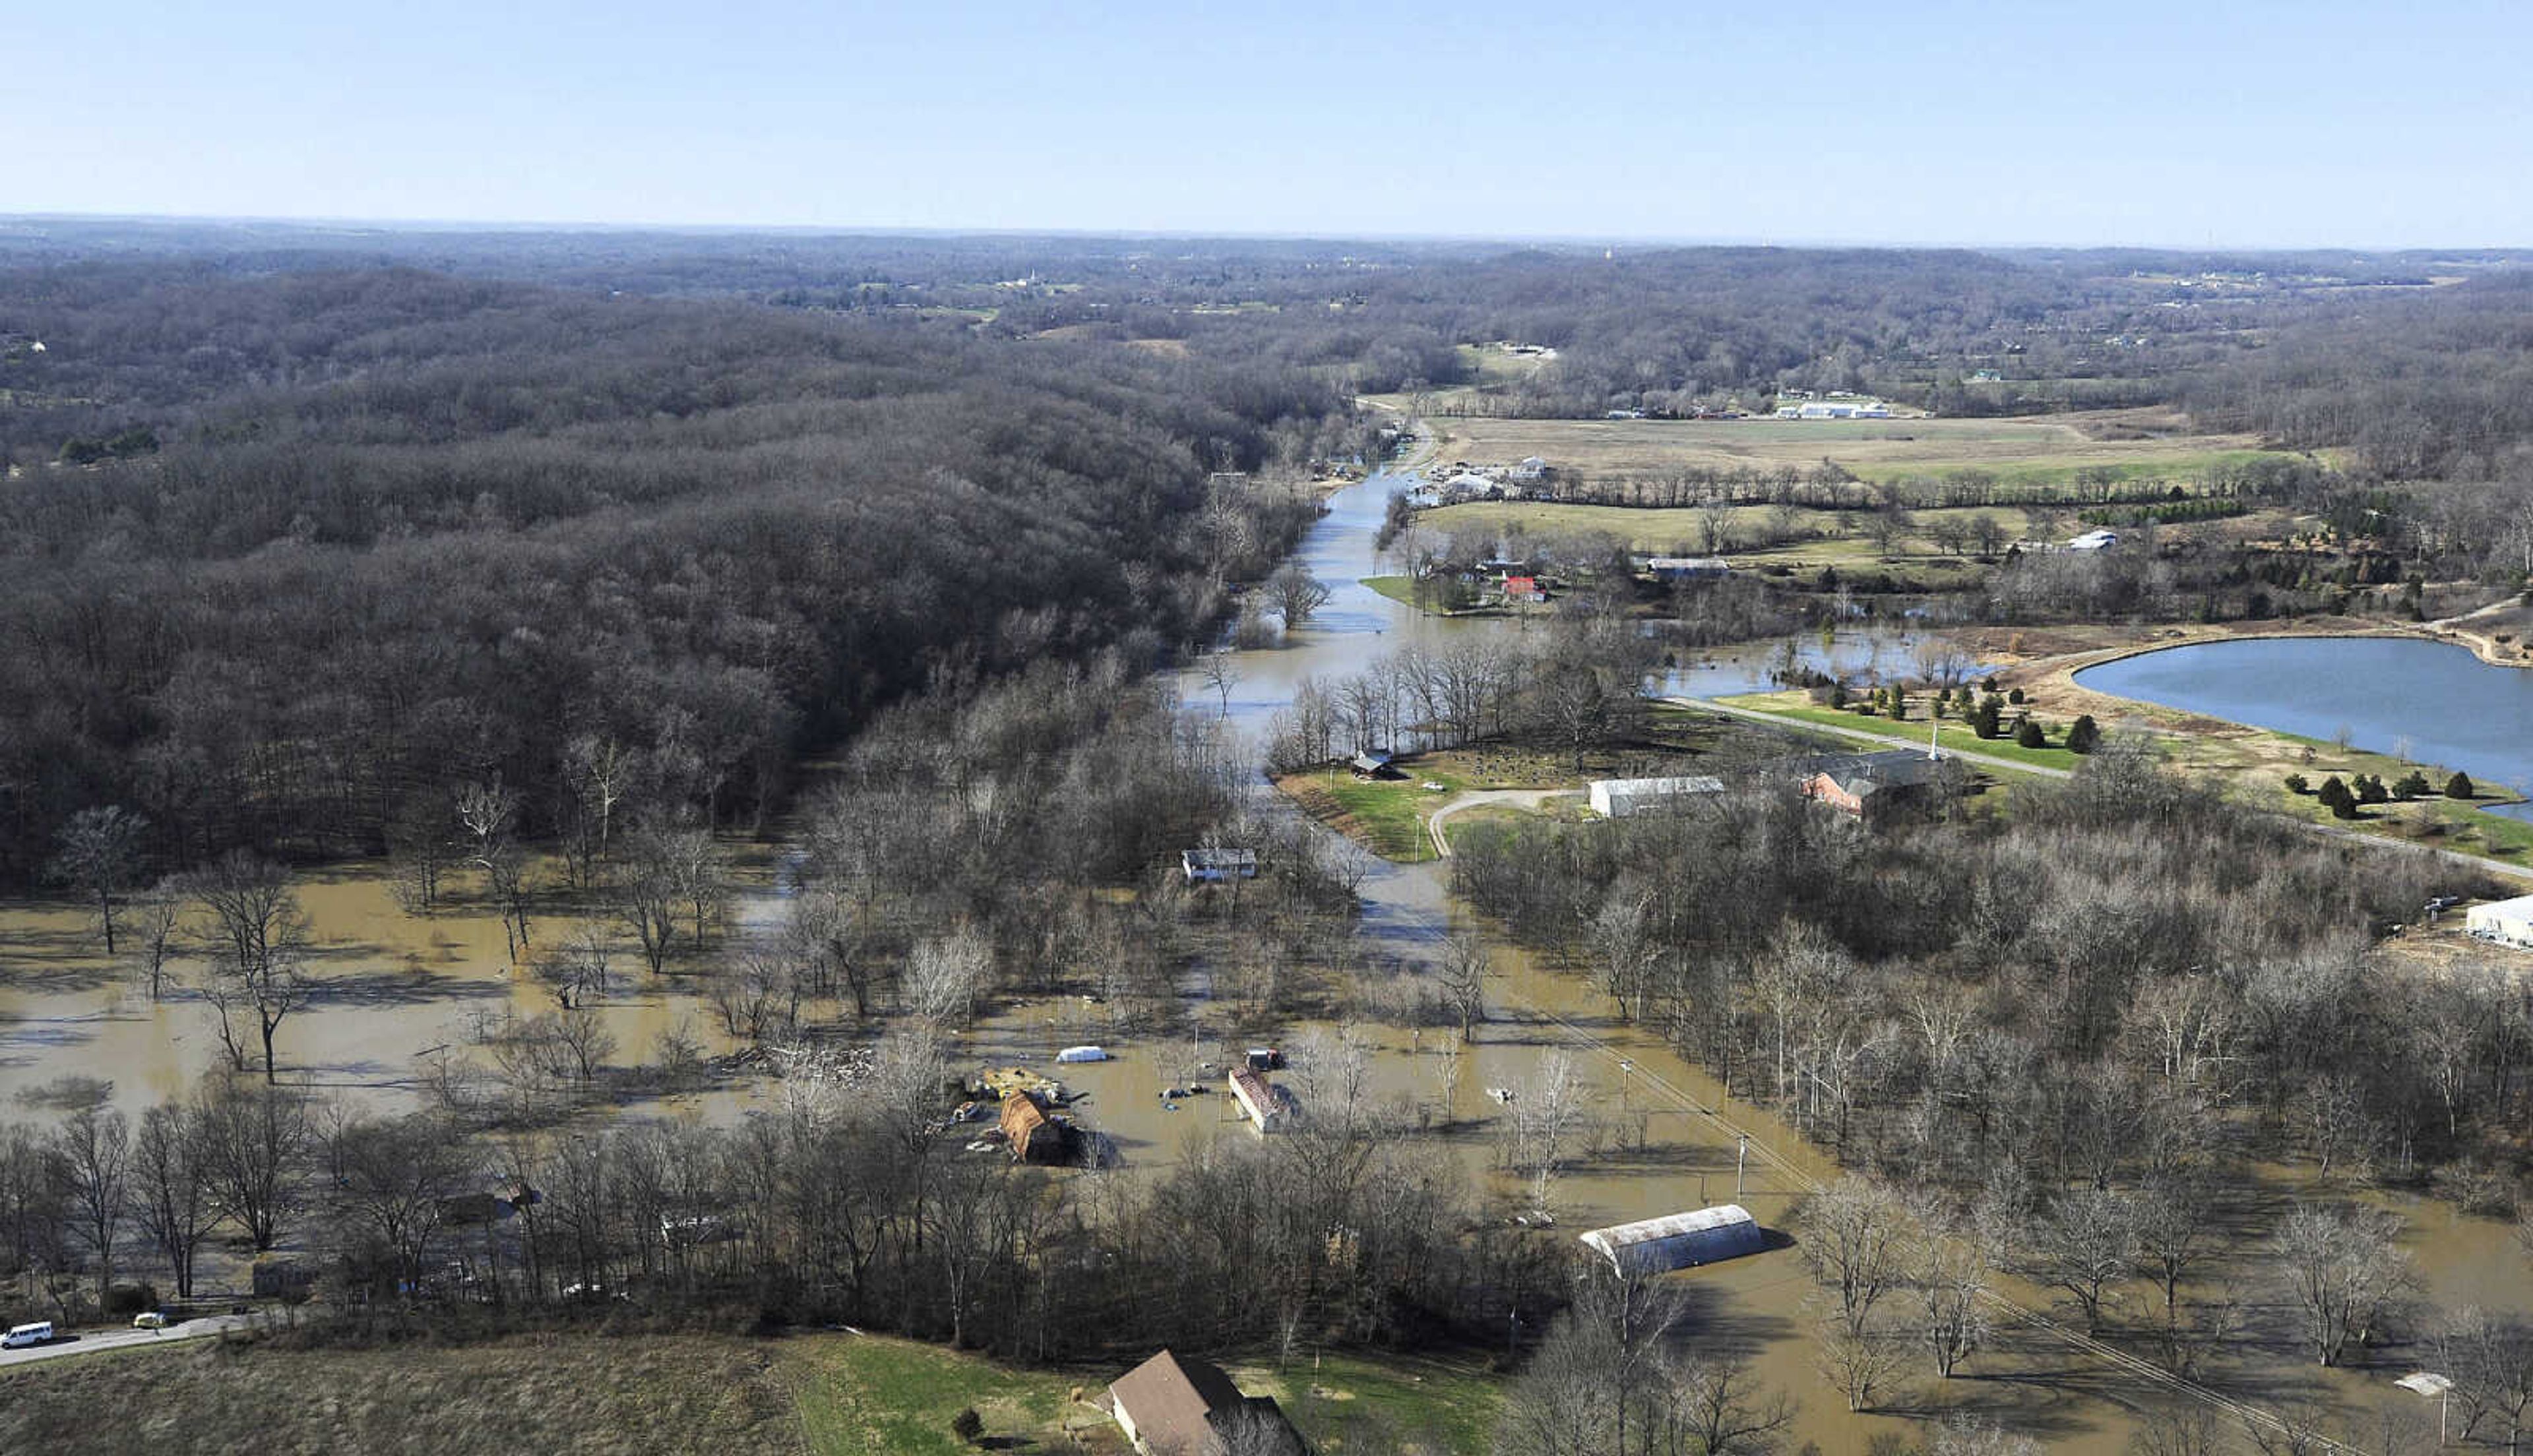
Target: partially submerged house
[1866,785]
[1174,1406]
[2506,922]
[1269,1105]
[1031,1134]
[1212,866]
[1677,1241]
[1622,798]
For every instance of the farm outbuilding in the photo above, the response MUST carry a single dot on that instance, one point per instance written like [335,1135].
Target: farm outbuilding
[1677,1241]
[2508,922]
[1268,1104]
[1619,798]
[1688,568]
[1033,1136]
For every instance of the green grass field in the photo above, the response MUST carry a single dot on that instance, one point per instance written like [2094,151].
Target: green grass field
[1403,591]
[830,1394]
[1951,734]
[2251,764]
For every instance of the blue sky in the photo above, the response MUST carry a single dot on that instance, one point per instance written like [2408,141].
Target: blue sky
[2141,123]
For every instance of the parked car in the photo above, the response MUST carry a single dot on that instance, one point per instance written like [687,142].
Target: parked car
[21,1336]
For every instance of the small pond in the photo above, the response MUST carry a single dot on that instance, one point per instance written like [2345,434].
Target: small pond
[2433,701]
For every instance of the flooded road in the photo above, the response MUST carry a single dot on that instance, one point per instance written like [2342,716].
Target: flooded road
[1656,1136]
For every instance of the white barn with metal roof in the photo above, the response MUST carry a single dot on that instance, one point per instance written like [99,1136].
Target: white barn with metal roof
[2508,922]
[1616,798]
[1677,1241]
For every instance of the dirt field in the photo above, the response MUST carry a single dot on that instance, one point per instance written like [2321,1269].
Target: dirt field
[2048,449]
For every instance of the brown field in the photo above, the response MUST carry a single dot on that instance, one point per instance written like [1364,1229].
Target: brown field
[2133,442]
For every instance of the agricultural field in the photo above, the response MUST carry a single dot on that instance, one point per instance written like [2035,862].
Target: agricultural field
[2018,451]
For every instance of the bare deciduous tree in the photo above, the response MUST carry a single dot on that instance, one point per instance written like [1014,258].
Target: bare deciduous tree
[2345,1269]
[99,854]
[263,939]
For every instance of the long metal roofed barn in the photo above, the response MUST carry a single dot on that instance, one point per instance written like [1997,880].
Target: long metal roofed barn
[1677,1241]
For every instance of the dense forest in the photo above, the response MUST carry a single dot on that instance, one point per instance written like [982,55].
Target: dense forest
[303,528]
[347,539]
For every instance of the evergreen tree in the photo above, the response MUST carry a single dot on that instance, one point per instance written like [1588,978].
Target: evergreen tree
[2295,781]
[2083,734]
[2459,786]
[2336,797]
[2030,734]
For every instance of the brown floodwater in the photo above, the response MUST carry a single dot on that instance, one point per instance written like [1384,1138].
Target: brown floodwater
[392,992]
[396,987]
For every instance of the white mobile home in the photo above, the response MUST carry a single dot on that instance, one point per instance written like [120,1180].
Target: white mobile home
[2508,922]
[1677,1241]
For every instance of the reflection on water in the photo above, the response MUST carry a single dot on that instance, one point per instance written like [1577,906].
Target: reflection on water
[393,990]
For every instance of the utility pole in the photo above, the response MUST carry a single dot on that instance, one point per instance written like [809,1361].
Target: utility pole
[1741,1157]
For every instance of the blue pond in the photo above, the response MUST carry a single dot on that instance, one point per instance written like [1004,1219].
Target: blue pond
[2434,700]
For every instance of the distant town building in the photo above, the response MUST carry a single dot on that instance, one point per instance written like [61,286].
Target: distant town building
[1677,1241]
[1531,468]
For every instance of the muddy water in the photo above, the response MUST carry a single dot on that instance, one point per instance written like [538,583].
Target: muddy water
[394,992]
[397,986]
[1672,1138]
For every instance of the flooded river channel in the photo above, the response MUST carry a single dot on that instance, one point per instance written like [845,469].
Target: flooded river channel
[1664,1138]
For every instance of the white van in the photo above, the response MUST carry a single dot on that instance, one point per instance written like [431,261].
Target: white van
[21,1336]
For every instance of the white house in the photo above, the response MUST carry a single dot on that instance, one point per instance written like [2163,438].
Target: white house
[2508,922]
[2094,541]
[1532,468]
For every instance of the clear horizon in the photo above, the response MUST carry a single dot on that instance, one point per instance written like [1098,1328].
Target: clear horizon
[1957,124]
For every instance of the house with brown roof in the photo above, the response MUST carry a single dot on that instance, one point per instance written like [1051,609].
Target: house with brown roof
[1173,1406]
[1268,1104]
[1032,1135]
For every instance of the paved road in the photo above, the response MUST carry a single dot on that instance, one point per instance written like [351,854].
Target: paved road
[1989,760]
[94,1341]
